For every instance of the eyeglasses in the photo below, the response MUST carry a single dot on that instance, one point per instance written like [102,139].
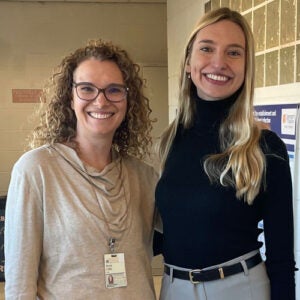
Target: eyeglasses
[88,92]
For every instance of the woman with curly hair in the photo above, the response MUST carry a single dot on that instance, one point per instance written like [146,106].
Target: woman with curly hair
[80,205]
[220,177]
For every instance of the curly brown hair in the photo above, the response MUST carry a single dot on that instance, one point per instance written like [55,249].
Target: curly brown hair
[57,124]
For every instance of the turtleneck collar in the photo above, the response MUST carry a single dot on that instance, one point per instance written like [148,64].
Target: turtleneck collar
[210,113]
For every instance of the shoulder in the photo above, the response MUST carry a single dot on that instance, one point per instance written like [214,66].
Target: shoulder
[140,167]
[272,144]
[29,169]
[36,157]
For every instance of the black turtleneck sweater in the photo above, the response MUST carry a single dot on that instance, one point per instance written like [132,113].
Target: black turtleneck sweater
[205,224]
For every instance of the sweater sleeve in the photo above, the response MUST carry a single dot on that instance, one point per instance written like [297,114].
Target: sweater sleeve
[23,233]
[278,220]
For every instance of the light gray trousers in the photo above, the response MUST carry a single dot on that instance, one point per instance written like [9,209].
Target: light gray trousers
[252,284]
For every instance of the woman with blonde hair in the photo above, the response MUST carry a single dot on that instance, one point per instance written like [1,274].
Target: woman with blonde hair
[220,177]
[80,203]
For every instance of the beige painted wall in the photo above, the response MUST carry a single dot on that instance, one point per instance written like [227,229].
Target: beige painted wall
[182,16]
[34,36]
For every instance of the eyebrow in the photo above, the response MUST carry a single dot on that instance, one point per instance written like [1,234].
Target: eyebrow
[230,45]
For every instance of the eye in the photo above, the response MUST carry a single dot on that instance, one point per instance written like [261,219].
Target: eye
[115,89]
[206,49]
[86,88]
[235,53]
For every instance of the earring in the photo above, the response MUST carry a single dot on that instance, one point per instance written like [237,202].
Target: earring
[189,75]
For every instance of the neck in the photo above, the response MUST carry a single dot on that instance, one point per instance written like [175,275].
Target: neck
[210,114]
[96,154]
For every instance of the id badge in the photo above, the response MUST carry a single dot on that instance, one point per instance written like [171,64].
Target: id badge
[115,273]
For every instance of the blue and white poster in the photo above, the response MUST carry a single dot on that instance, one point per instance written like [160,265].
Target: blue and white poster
[284,120]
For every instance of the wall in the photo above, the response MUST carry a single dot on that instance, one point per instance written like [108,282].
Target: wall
[182,16]
[34,36]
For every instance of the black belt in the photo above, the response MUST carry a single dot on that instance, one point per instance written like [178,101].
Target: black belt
[197,275]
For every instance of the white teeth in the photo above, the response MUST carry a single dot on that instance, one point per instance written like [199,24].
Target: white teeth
[217,77]
[100,116]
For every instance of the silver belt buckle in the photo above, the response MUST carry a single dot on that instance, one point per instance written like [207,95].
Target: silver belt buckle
[191,275]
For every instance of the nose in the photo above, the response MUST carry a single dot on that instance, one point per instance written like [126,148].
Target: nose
[101,99]
[219,60]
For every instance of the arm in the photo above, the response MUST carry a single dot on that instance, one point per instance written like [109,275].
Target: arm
[278,222]
[23,235]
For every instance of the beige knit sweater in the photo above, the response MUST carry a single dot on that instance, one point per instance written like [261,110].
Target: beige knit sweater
[59,217]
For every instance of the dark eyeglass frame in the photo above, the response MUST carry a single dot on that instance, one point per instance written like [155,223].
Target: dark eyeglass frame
[76,84]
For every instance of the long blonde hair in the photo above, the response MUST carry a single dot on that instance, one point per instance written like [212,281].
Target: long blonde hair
[57,123]
[241,163]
